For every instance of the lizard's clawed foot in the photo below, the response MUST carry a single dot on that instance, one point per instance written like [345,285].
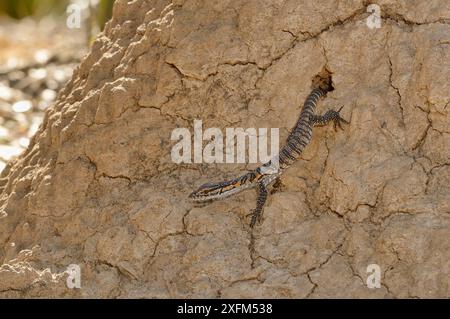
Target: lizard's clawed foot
[337,119]
[277,186]
[256,217]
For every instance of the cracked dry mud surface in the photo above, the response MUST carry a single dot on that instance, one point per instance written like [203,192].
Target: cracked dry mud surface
[97,186]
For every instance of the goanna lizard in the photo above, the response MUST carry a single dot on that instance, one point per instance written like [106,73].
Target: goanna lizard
[261,177]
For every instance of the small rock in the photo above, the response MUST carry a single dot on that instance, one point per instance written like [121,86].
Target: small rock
[22,106]
[42,56]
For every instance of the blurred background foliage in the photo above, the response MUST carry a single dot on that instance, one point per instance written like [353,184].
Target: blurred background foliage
[39,49]
[19,9]
[104,12]
[101,10]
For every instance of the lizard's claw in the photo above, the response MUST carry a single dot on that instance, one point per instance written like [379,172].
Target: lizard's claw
[337,119]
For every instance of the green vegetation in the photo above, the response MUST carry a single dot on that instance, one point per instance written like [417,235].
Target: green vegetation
[19,9]
[104,12]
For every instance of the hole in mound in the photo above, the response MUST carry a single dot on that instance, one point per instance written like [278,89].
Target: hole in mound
[323,80]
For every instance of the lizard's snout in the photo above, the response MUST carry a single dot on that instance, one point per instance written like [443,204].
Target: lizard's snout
[194,195]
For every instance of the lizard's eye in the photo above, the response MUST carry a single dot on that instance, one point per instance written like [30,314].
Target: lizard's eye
[206,186]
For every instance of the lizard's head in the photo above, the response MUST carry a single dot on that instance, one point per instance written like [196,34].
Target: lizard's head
[206,192]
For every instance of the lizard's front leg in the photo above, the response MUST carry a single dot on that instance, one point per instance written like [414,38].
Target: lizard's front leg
[330,115]
[262,196]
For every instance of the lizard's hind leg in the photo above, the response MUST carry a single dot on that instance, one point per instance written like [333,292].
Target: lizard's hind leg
[262,197]
[277,186]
